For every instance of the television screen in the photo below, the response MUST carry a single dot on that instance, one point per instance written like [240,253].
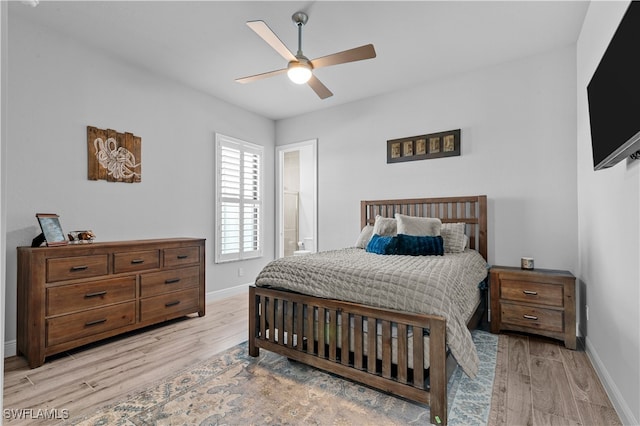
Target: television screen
[614,95]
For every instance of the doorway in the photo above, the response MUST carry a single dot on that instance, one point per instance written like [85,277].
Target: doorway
[296,198]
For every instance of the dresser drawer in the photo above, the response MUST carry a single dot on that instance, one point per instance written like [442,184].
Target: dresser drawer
[136,261]
[181,256]
[71,268]
[536,319]
[169,305]
[155,283]
[532,292]
[76,297]
[83,324]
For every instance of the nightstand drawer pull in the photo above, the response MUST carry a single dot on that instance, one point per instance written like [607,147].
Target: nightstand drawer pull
[530,317]
[529,292]
[95,294]
[183,256]
[137,261]
[95,322]
[79,268]
[172,281]
[169,304]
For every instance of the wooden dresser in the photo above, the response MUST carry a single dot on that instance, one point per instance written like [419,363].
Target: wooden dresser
[539,301]
[72,295]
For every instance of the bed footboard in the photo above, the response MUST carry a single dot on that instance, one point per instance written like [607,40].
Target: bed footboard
[285,323]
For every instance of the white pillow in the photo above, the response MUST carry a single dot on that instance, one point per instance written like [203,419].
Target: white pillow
[454,237]
[384,226]
[364,237]
[419,226]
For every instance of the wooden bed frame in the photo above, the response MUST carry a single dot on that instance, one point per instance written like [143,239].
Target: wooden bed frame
[273,312]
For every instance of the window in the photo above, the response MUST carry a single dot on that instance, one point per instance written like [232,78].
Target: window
[238,199]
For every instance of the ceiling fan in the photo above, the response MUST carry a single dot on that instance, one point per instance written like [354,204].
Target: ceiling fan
[300,68]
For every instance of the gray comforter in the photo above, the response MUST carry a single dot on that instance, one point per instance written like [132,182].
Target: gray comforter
[439,285]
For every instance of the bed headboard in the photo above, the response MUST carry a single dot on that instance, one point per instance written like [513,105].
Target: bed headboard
[470,210]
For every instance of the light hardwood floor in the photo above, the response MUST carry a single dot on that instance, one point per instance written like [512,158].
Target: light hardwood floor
[544,384]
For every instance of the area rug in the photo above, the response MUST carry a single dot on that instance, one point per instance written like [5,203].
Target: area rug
[232,388]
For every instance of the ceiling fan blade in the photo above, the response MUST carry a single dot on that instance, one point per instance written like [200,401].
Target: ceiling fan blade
[251,78]
[263,30]
[320,89]
[356,54]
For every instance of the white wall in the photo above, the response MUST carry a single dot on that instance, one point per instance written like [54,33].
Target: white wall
[518,148]
[609,230]
[57,87]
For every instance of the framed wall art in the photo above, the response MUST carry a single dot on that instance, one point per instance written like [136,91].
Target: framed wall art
[423,147]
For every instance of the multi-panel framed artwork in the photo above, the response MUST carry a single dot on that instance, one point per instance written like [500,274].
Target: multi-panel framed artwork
[433,145]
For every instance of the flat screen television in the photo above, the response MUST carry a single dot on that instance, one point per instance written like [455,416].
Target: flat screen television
[614,95]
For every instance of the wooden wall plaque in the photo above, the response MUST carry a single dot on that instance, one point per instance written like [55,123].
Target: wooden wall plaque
[114,156]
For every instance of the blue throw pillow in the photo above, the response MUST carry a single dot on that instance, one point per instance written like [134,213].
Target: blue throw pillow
[382,244]
[413,245]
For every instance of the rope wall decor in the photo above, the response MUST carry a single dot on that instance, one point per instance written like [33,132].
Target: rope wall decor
[113,156]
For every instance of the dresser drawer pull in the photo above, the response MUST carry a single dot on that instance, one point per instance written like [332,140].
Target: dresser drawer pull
[174,303]
[172,281]
[79,268]
[94,322]
[531,317]
[137,261]
[95,294]
[530,292]
[183,256]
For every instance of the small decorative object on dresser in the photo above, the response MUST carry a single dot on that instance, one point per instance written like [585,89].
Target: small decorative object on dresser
[540,301]
[77,294]
[51,230]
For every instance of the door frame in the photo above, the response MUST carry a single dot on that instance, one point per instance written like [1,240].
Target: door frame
[280,151]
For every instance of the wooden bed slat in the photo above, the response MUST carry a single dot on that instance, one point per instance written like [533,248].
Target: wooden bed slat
[402,353]
[372,346]
[357,344]
[386,348]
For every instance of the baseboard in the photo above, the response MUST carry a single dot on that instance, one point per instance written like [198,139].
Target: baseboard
[11,347]
[227,292]
[620,405]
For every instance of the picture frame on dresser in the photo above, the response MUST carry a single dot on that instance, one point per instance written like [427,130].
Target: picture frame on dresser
[51,229]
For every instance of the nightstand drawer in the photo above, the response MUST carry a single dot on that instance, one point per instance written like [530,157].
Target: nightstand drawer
[534,318]
[136,261]
[531,292]
[77,297]
[83,324]
[71,268]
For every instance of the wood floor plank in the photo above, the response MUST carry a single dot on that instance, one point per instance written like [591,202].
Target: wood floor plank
[544,348]
[593,414]
[498,412]
[545,419]
[550,389]
[519,408]
[583,378]
[519,355]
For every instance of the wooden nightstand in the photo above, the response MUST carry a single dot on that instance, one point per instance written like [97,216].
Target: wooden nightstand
[539,301]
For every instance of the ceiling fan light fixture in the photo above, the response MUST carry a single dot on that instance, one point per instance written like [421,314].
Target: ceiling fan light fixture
[299,72]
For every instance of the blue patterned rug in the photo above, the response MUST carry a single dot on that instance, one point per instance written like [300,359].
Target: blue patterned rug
[233,388]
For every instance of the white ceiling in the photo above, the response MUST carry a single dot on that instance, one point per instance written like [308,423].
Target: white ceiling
[206,44]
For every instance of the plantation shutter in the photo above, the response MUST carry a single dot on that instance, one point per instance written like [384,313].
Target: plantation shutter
[239,199]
